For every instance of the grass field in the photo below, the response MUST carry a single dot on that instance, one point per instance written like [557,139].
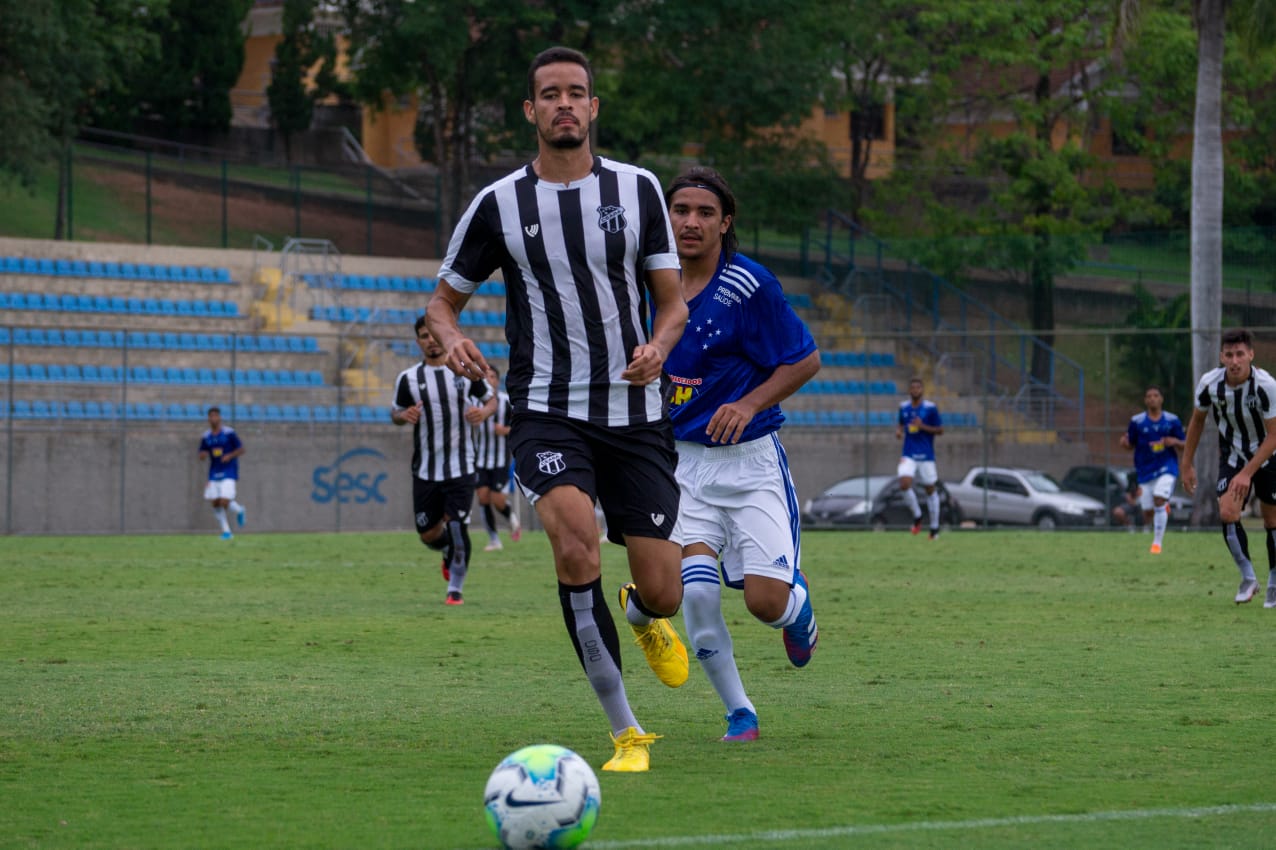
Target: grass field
[990,690]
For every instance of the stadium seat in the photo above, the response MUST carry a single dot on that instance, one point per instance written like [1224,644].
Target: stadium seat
[93,410]
[222,275]
[22,409]
[10,265]
[230,308]
[199,307]
[219,342]
[74,409]
[4,336]
[205,275]
[111,269]
[222,376]
[90,373]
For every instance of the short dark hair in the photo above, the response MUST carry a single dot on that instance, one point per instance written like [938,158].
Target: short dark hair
[1151,387]
[418,324]
[916,379]
[213,409]
[557,54]
[1237,336]
[704,177]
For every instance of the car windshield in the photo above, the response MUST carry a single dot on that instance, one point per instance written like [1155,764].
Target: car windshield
[859,487]
[1042,483]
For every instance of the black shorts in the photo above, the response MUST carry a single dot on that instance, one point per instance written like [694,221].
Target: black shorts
[497,480]
[1262,485]
[432,500]
[628,470]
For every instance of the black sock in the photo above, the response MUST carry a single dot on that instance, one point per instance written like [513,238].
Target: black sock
[489,519]
[505,510]
[603,624]
[1271,549]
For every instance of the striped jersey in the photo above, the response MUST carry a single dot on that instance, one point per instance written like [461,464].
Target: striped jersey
[442,442]
[1239,412]
[740,329]
[490,449]
[574,259]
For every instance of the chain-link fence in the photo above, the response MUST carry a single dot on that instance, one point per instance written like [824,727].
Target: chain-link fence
[101,425]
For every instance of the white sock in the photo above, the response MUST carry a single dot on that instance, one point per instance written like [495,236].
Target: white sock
[707,630]
[797,598]
[910,499]
[1160,519]
[236,507]
[932,507]
[220,513]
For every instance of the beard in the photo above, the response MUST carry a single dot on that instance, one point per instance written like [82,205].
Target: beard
[566,142]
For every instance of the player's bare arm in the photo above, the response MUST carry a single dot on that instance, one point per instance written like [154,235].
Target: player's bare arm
[442,317]
[1187,467]
[730,420]
[671,319]
[407,416]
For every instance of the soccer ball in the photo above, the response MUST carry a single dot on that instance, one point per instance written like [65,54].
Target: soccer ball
[542,797]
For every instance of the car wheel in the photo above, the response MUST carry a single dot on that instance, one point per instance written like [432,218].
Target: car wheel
[1046,521]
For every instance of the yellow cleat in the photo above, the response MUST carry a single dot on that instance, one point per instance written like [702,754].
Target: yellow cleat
[666,656]
[631,755]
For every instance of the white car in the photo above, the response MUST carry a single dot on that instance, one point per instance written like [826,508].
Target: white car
[1004,495]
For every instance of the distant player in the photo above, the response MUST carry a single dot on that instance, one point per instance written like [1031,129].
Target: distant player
[1242,400]
[744,351]
[430,398]
[919,425]
[1156,435]
[221,447]
[492,457]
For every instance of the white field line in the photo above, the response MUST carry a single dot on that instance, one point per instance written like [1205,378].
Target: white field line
[783,835]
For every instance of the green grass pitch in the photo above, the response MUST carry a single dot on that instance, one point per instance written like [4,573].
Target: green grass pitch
[989,690]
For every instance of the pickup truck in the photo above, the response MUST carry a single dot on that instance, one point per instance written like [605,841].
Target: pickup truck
[1003,495]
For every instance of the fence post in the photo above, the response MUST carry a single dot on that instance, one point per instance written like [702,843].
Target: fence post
[225,195]
[367,207]
[296,200]
[148,197]
[70,194]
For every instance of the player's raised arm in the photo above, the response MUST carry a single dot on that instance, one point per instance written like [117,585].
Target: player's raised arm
[442,317]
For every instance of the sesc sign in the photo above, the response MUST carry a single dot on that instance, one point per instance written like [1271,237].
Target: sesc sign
[353,478]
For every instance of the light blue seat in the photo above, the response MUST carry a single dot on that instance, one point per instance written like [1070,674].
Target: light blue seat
[222,376]
[189,375]
[90,373]
[74,409]
[220,342]
[230,308]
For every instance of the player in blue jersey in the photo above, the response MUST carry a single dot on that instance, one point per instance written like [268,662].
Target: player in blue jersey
[743,352]
[919,425]
[1156,435]
[222,448]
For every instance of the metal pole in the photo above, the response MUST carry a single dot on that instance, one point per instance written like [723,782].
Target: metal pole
[296,201]
[1107,420]
[148,197]
[225,220]
[70,203]
[124,434]
[367,207]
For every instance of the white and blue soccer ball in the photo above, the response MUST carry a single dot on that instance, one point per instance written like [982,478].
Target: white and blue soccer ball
[542,797]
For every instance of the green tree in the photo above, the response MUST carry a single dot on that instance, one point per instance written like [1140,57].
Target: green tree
[1029,193]
[1159,359]
[187,85]
[733,79]
[304,71]
[464,62]
[59,59]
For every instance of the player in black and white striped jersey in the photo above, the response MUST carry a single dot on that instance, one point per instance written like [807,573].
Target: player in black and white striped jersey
[582,243]
[492,459]
[436,403]
[1242,399]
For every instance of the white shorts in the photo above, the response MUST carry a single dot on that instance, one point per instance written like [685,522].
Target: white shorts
[1158,488]
[924,472]
[221,489]
[740,501]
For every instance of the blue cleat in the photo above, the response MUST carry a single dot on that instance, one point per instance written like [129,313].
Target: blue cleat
[239,517]
[742,725]
[226,535]
[801,636]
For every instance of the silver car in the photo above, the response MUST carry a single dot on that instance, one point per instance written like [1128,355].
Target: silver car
[1014,496]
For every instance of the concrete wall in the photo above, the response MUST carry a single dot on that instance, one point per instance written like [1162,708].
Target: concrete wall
[103,479]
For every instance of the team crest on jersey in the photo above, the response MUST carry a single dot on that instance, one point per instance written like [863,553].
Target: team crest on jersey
[531,230]
[550,463]
[611,218]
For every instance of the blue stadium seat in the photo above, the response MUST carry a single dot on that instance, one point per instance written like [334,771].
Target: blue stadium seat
[4,336]
[184,308]
[79,268]
[53,336]
[111,374]
[154,339]
[170,340]
[206,274]
[222,275]
[219,342]
[74,409]
[93,410]
[96,268]
[186,342]
[45,266]
[222,376]
[215,308]
[22,409]
[109,410]
[253,377]
[230,308]
[111,269]
[136,306]
[10,265]
[350,414]
[189,375]
[90,373]
[145,271]
[325,413]
[73,374]
[199,307]
[30,266]
[311,345]
[245,342]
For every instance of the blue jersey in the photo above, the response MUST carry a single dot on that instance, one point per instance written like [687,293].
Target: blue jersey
[218,446]
[919,444]
[740,329]
[1152,458]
